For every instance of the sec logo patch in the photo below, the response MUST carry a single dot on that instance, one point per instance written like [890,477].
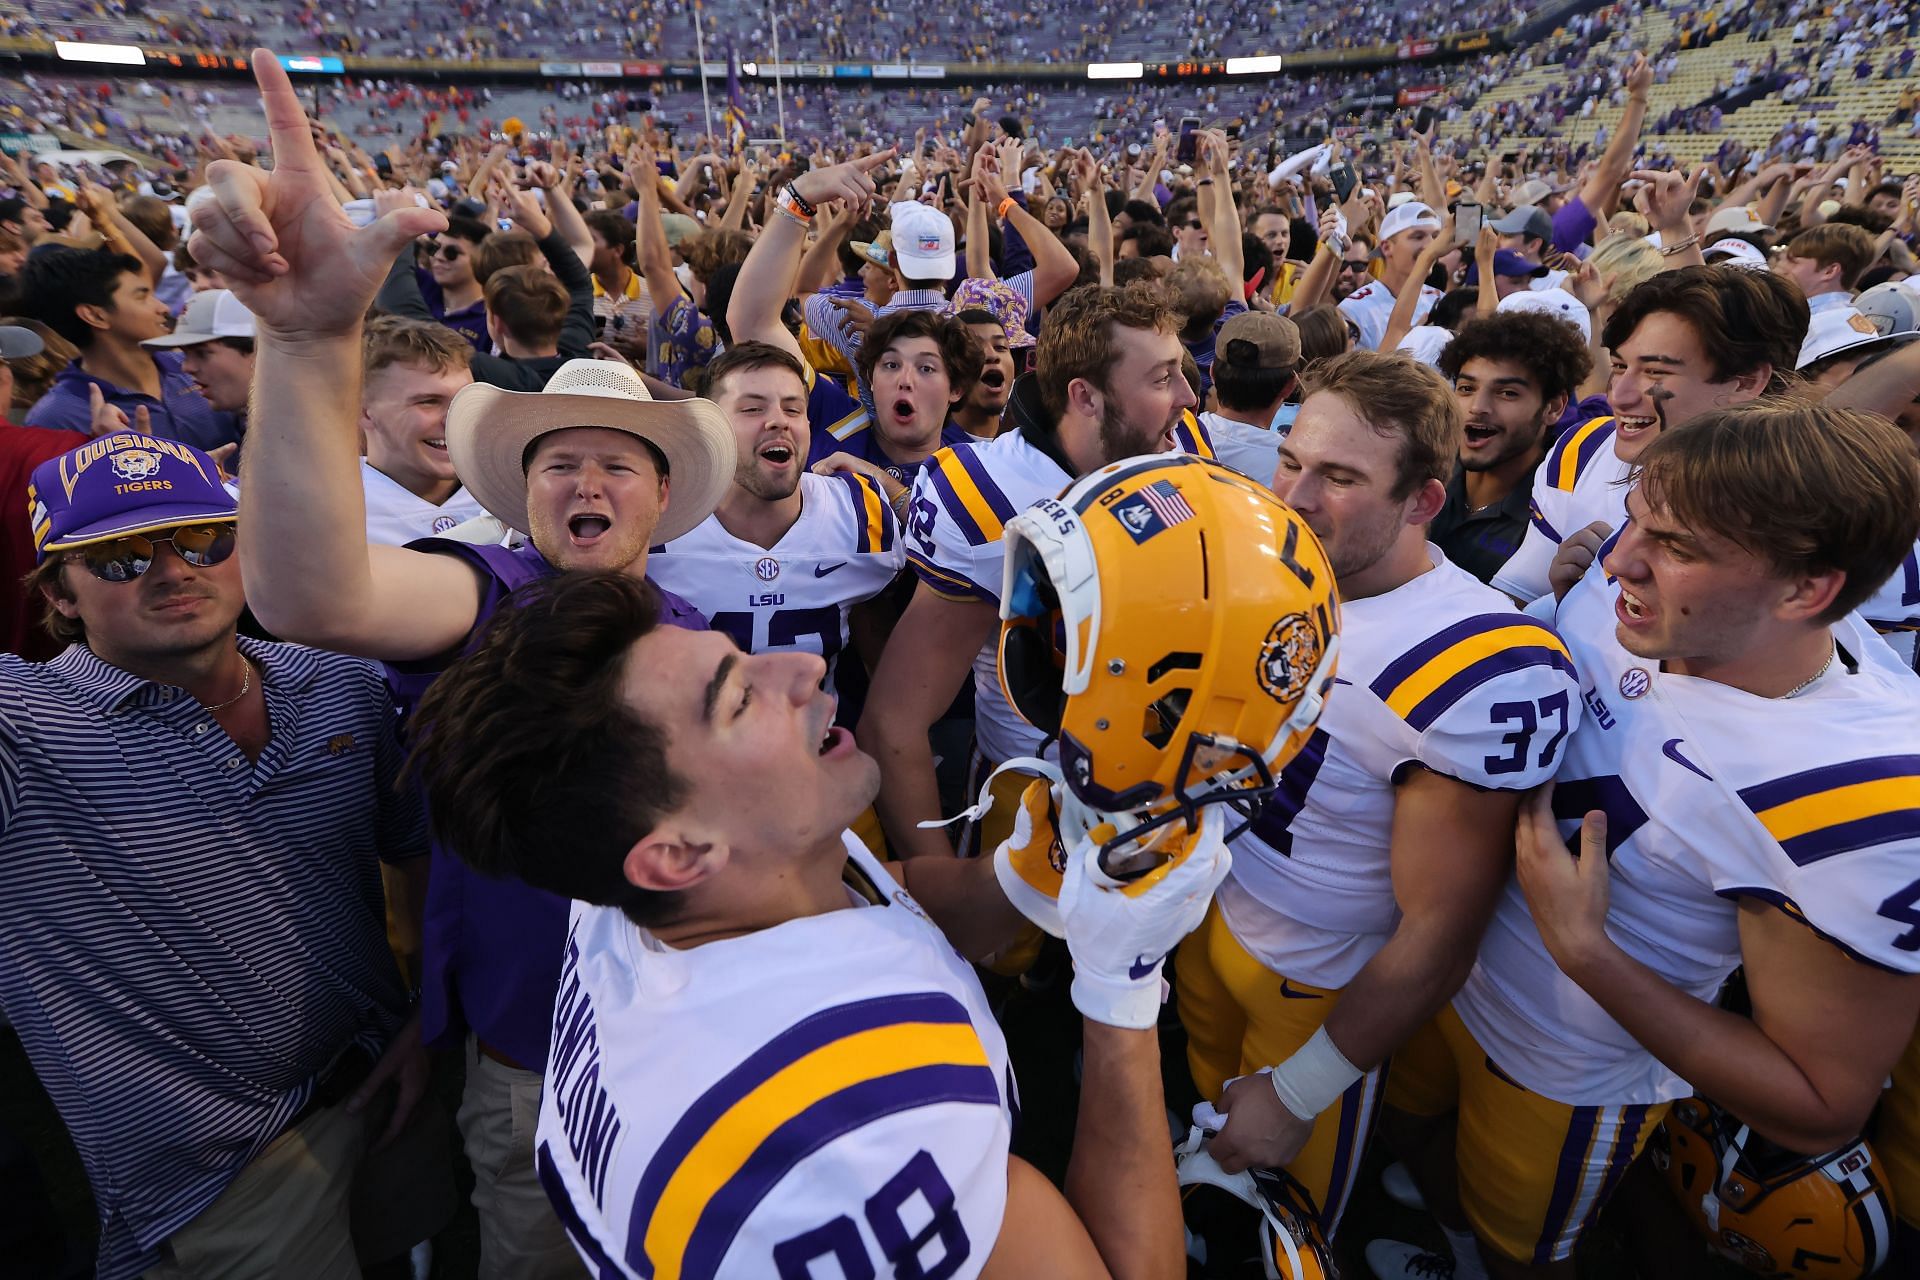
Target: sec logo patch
[1635,682]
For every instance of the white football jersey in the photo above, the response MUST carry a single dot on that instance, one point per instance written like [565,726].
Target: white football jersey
[1894,610]
[1442,672]
[828,1097]
[961,503]
[1579,481]
[397,516]
[796,594]
[1811,803]
[1371,305]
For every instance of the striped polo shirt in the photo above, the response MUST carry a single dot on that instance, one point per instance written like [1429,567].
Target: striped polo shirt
[188,938]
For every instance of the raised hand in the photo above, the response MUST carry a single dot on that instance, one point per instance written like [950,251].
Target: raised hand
[851,182]
[286,247]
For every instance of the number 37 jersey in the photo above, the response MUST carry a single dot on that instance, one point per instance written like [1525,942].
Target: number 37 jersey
[796,594]
[1441,673]
[828,1097]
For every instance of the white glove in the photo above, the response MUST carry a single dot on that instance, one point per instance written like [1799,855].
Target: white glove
[1121,933]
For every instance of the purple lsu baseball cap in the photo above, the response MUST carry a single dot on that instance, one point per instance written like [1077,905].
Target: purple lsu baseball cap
[121,484]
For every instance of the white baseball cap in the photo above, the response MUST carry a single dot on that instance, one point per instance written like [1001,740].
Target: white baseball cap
[1735,252]
[1841,329]
[922,241]
[213,313]
[1408,216]
[1554,302]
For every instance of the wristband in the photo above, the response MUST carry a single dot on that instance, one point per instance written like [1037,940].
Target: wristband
[1005,205]
[800,204]
[789,203]
[1314,1077]
[1679,246]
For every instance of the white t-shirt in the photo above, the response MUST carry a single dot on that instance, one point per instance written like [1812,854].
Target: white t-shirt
[397,516]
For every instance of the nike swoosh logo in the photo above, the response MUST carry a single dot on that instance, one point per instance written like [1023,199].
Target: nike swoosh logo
[1671,750]
[1288,993]
[1142,966]
[822,570]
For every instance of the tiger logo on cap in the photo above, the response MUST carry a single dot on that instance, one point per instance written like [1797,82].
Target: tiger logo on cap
[135,464]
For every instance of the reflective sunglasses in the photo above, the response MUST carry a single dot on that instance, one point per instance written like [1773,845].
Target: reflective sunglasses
[124,559]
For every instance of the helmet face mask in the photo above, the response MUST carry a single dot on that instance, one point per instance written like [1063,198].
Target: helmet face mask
[1766,1208]
[1174,626]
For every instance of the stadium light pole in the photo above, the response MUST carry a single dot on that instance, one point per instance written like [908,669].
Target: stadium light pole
[700,51]
[779,93]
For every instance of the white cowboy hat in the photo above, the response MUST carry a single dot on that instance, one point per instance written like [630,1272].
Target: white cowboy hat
[489,431]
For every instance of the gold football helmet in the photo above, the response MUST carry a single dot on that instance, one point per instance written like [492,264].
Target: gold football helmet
[1776,1213]
[1223,1239]
[1176,626]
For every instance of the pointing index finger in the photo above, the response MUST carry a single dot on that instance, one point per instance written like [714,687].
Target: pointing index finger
[867,164]
[287,126]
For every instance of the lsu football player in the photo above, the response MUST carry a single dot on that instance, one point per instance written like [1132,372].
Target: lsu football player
[1357,898]
[1745,791]
[787,554]
[837,1097]
[1684,342]
[1107,385]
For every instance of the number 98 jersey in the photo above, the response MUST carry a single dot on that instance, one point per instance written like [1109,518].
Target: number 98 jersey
[796,594]
[827,1097]
[1442,672]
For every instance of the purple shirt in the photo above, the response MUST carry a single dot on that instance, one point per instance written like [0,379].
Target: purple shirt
[1573,224]
[469,322]
[181,413]
[491,947]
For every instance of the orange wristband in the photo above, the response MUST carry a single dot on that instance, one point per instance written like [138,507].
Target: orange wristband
[1008,203]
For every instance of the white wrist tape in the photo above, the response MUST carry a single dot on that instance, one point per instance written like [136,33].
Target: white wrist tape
[1314,1077]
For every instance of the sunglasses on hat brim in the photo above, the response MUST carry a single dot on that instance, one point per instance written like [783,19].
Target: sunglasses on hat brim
[125,558]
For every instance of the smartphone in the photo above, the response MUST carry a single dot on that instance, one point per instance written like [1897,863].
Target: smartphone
[1466,222]
[1187,149]
[1423,120]
[1344,181]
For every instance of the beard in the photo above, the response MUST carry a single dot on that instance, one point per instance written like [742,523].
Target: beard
[768,488]
[1121,437]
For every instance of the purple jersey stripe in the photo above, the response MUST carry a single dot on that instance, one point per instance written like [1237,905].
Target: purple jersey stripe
[1540,522]
[1573,798]
[983,480]
[1844,837]
[1435,704]
[1792,909]
[796,1042]
[831,1117]
[1767,795]
[950,499]
[604,1267]
[1434,645]
[1591,446]
[947,584]
[856,484]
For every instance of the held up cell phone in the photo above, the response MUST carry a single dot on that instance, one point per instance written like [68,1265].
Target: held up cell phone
[1187,148]
[1466,222]
[1344,181]
[1423,120]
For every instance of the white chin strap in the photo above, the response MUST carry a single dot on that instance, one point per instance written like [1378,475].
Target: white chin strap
[1073,820]
[1197,1166]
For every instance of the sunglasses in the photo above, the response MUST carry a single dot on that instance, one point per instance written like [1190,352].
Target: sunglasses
[124,559]
[450,252]
[1354,266]
[1195,226]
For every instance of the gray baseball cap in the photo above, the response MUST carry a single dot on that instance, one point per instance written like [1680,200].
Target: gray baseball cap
[17,343]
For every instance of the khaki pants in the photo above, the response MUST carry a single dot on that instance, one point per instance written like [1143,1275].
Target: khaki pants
[520,1237]
[287,1215]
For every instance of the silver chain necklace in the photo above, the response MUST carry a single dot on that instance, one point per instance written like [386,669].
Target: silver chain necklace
[1813,679]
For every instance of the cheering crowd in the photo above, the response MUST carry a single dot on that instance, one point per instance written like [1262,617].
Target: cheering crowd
[458,598]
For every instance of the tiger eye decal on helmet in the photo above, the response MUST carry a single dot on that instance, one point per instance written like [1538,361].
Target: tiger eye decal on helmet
[1176,625]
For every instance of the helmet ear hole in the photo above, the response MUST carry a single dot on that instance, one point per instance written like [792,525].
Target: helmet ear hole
[1163,716]
[1030,669]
